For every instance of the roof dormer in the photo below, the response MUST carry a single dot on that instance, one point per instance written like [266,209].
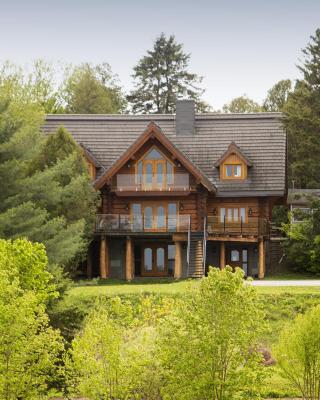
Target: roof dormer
[233,164]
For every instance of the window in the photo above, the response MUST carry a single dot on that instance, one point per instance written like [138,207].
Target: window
[233,214]
[154,171]
[233,171]
[150,216]
[235,255]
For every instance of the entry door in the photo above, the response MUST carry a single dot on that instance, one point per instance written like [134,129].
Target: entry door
[238,257]
[154,260]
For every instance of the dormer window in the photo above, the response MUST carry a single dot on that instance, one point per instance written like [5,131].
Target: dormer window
[233,164]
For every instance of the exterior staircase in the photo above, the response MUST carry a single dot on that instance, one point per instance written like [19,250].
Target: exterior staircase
[196,250]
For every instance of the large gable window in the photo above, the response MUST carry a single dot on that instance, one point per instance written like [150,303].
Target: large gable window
[154,171]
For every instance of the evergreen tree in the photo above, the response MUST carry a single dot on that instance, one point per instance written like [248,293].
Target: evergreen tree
[277,96]
[242,104]
[302,121]
[93,90]
[46,192]
[162,76]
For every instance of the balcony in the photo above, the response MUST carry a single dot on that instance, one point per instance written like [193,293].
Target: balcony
[122,223]
[254,226]
[152,183]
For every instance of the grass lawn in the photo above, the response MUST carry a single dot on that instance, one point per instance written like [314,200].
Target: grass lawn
[113,287]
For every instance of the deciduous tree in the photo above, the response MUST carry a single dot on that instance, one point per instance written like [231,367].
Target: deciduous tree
[90,89]
[208,346]
[242,104]
[298,354]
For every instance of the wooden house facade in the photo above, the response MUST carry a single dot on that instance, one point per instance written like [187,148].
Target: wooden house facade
[180,192]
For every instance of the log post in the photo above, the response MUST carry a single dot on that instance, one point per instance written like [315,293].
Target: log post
[178,261]
[104,258]
[262,259]
[222,255]
[129,259]
[89,263]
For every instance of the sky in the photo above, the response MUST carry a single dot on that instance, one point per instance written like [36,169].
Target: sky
[239,47]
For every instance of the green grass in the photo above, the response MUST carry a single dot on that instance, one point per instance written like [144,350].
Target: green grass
[114,287]
[289,276]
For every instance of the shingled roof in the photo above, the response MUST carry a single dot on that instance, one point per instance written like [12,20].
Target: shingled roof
[260,136]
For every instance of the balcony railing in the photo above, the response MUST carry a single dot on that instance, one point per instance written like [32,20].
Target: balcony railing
[117,223]
[152,182]
[252,226]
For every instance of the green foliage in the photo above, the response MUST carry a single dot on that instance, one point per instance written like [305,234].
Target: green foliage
[298,353]
[302,121]
[47,195]
[242,104]
[36,86]
[162,76]
[208,346]
[280,215]
[303,247]
[29,349]
[110,357]
[277,96]
[93,90]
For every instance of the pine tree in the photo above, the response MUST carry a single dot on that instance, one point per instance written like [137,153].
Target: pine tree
[302,120]
[162,76]
[46,194]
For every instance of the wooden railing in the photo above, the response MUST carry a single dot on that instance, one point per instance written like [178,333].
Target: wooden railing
[116,223]
[251,226]
[152,182]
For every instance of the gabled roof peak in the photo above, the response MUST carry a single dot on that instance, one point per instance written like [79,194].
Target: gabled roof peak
[153,131]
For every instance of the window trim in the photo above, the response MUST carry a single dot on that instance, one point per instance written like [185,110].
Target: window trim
[233,221]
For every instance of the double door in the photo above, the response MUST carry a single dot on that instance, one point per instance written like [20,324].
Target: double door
[154,176]
[154,259]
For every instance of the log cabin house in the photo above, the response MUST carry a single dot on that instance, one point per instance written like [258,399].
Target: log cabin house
[181,192]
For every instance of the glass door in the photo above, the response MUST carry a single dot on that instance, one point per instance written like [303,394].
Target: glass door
[154,260]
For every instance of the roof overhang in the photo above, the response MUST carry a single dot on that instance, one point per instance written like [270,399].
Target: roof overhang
[153,131]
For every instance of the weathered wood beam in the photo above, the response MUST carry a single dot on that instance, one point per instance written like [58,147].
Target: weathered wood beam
[262,259]
[178,261]
[129,259]
[222,255]
[104,258]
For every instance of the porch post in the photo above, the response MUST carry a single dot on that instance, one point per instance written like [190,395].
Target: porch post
[104,257]
[89,262]
[262,259]
[222,255]
[129,259]
[178,261]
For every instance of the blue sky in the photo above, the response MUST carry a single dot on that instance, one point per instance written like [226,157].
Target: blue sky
[238,46]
